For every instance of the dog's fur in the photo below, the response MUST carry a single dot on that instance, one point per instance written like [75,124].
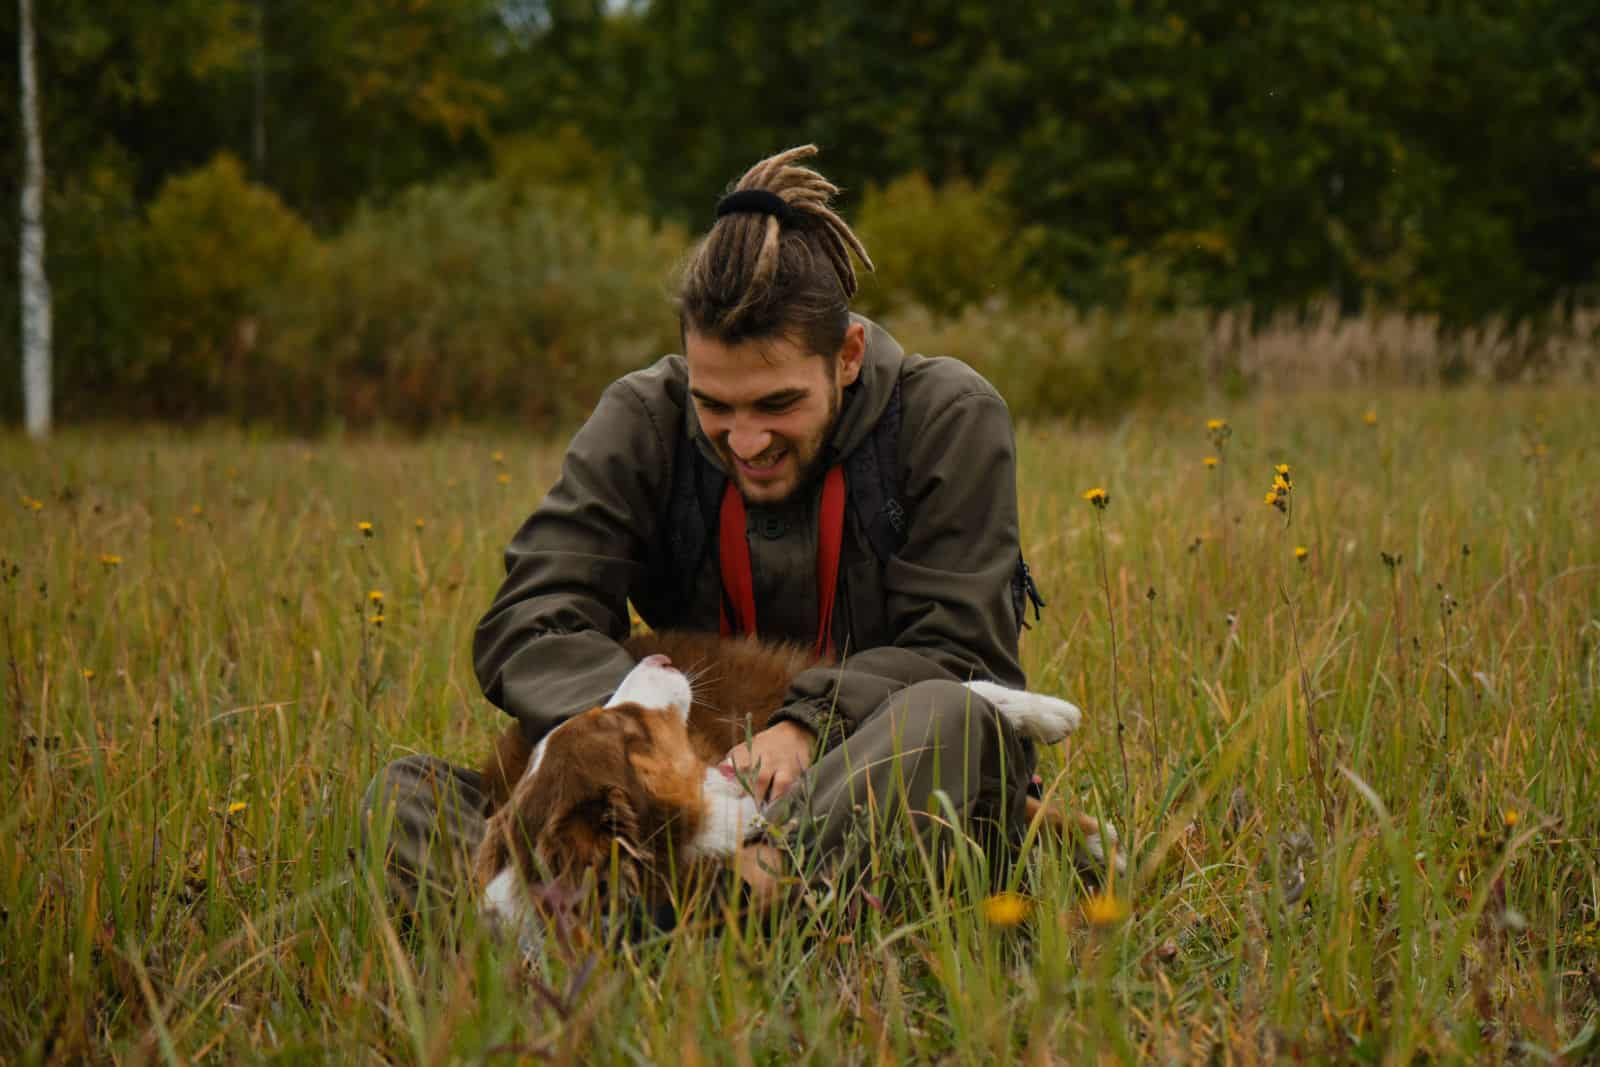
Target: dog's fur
[633,789]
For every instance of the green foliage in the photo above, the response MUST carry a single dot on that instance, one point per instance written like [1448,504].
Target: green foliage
[1050,359]
[215,247]
[487,299]
[943,248]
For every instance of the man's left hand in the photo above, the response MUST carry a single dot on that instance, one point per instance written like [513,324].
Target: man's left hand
[771,761]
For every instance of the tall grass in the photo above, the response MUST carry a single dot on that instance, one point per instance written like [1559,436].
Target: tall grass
[196,694]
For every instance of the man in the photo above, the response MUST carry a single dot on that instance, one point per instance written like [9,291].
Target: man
[707,490]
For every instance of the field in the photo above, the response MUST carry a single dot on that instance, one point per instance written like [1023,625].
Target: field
[1359,782]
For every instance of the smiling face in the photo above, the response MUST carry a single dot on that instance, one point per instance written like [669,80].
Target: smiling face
[767,406]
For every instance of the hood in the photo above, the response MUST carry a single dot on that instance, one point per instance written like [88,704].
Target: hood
[859,411]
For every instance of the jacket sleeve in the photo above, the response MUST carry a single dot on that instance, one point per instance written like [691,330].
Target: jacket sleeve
[548,646]
[948,590]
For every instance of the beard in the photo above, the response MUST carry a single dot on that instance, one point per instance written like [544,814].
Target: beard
[807,455]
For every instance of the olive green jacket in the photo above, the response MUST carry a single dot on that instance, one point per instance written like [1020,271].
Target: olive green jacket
[941,607]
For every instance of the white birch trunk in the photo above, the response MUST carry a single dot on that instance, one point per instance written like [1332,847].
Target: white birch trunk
[35,285]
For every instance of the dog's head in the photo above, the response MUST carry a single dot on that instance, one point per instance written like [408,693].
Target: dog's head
[613,794]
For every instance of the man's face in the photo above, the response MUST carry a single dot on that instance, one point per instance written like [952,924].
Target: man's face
[768,405]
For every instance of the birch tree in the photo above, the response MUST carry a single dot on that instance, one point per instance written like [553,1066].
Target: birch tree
[35,285]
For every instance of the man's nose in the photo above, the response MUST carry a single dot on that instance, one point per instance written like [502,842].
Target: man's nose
[748,439]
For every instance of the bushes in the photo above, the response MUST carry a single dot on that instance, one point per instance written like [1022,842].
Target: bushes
[944,249]
[1048,359]
[489,299]
[215,248]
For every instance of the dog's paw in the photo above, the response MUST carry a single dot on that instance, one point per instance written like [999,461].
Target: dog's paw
[1097,849]
[1043,718]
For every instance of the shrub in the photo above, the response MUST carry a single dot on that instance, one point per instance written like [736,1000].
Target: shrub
[944,249]
[215,246]
[1049,359]
[488,299]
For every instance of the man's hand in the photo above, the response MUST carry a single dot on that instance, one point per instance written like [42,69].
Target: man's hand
[771,761]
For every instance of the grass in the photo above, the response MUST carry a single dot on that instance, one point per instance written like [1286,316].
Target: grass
[196,695]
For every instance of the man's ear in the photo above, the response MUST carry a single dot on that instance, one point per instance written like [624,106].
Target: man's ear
[851,353]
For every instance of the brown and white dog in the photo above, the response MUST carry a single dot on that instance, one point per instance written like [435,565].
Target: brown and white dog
[639,777]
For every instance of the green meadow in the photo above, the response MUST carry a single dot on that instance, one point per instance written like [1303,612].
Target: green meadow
[1356,783]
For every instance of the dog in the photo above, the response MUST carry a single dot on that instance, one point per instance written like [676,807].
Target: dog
[641,775]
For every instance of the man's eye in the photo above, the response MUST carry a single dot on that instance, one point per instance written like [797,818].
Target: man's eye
[713,408]
[776,407]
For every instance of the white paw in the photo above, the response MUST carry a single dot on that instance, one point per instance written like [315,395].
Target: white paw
[506,906]
[1045,719]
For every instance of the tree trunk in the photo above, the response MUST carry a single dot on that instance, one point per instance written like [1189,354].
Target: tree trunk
[35,285]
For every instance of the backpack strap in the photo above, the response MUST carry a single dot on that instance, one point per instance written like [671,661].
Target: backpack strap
[872,473]
[692,510]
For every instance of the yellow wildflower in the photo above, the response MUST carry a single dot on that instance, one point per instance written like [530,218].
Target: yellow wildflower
[499,457]
[1301,552]
[1279,483]
[88,674]
[365,528]
[110,560]
[1370,418]
[197,510]
[1105,909]
[1005,909]
[376,596]
[1210,461]
[236,807]
[1098,497]
[1511,818]
[504,479]
[376,618]
[420,524]
[1215,424]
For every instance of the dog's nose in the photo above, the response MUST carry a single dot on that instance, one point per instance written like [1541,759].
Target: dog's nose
[657,660]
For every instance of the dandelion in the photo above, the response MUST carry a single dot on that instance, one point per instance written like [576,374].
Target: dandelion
[376,596]
[236,807]
[1219,432]
[1101,499]
[376,619]
[197,511]
[1282,486]
[31,503]
[1511,818]
[420,524]
[365,528]
[1301,552]
[1105,909]
[1370,418]
[1211,462]
[108,560]
[504,479]
[1005,909]
[499,457]
[88,674]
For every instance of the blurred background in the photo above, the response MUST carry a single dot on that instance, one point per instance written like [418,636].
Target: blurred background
[324,215]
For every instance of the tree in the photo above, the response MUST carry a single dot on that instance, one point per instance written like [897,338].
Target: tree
[35,285]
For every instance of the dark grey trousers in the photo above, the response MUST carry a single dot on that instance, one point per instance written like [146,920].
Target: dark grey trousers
[929,738]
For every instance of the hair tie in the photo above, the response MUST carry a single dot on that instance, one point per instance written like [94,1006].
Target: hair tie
[755,201]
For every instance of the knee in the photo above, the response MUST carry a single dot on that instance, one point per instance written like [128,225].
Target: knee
[948,712]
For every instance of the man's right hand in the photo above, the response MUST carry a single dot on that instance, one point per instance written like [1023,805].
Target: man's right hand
[772,761]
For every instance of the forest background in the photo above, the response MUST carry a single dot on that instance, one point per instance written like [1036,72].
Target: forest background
[415,211]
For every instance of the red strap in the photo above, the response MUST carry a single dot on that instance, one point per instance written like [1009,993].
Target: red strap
[738,585]
[830,532]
